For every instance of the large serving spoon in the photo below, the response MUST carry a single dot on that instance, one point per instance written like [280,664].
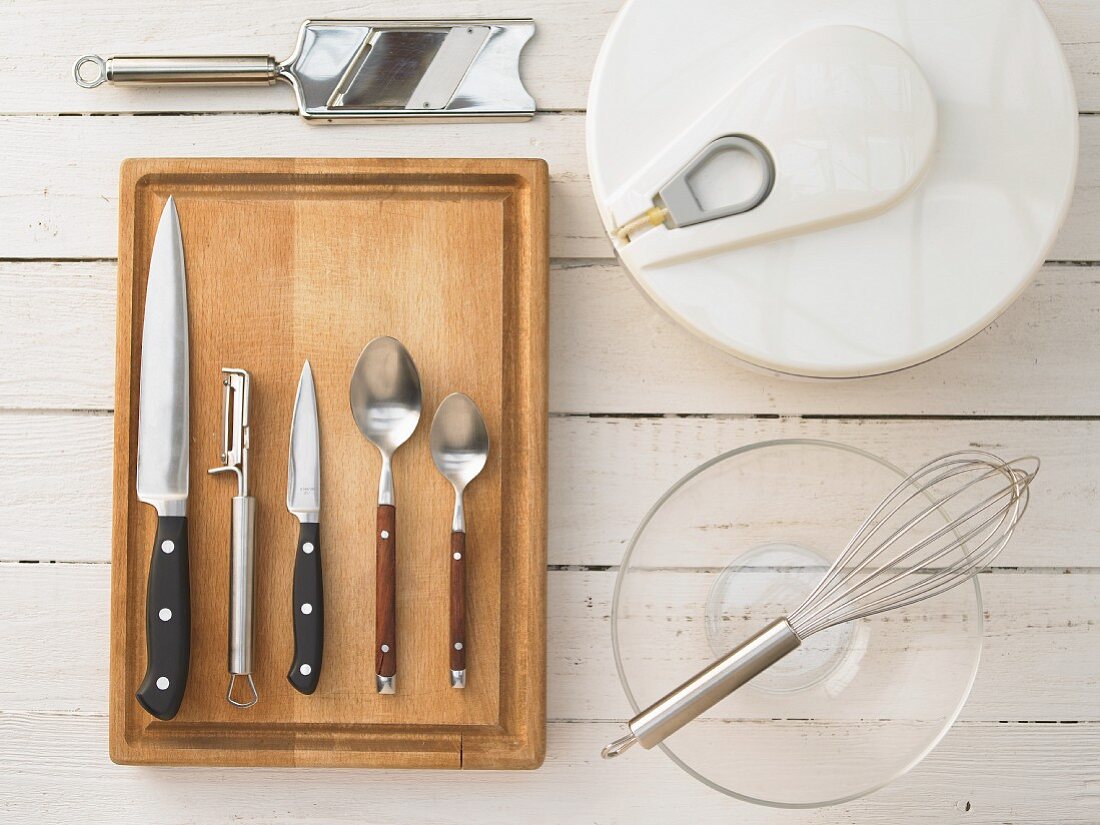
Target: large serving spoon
[385,401]
[460,445]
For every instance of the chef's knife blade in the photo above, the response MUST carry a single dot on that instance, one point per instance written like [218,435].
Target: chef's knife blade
[303,499]
[162,469]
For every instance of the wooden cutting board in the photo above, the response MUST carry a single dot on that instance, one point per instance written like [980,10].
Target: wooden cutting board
[295,259]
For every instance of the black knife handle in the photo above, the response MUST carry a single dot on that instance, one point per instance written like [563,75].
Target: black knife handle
[309,610]
[167,621]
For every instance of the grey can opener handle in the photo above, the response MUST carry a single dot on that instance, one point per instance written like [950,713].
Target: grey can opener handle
[683,205]
[676,204]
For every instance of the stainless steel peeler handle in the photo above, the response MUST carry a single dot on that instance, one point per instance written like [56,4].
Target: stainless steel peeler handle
[231,70]
[236,384]
[242,551]
[706,689]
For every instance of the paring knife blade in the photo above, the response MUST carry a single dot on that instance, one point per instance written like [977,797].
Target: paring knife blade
[303,499]
[162,469]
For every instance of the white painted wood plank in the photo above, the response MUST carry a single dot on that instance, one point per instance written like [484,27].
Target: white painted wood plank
[1035,623]
[55,769]
[612,352]
[55,487]
[1077,24]
[57,336]
[605,474]
[60,198]
[55,621]
[40,41]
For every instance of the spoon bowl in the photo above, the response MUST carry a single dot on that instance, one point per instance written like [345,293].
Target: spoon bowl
[385,394]
[459,440]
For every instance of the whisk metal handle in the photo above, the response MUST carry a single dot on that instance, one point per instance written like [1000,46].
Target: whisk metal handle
[709,687]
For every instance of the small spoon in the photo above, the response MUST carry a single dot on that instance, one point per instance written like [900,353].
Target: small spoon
[385,401]
[460,445]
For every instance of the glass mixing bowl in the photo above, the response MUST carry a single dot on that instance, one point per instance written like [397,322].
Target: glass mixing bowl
[742,540]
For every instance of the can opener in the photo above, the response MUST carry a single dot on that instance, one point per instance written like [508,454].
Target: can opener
[377,69]
[825,153]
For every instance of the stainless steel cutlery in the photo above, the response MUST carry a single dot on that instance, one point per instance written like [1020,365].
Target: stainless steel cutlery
[303,499]
[385,402]
[163,469]
[460,447]
[385,399]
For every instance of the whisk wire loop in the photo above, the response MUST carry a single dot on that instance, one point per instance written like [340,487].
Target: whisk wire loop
[863,581]
[863,534]
[947,529]
[920,589]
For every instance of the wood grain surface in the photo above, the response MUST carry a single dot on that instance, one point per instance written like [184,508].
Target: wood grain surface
[289,260]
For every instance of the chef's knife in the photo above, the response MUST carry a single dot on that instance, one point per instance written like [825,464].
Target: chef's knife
[162,469]
[303,499]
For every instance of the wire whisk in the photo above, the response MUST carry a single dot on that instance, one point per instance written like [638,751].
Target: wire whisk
[909,548]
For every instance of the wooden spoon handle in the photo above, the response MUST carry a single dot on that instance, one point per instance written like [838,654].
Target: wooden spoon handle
[458,609]
[385,600]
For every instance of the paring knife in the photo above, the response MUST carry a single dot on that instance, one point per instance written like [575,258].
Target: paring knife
[303,499]
[162,469]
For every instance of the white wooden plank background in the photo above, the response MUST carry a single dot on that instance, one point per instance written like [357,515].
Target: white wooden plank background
[635,404]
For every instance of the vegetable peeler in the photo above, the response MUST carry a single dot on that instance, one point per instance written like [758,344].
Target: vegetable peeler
[242,544]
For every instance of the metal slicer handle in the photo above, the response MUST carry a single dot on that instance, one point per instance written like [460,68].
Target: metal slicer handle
[241,564]
[225,70]
[707,688]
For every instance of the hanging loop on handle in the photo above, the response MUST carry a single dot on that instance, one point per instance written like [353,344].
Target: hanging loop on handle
[90,82]
[254,696]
